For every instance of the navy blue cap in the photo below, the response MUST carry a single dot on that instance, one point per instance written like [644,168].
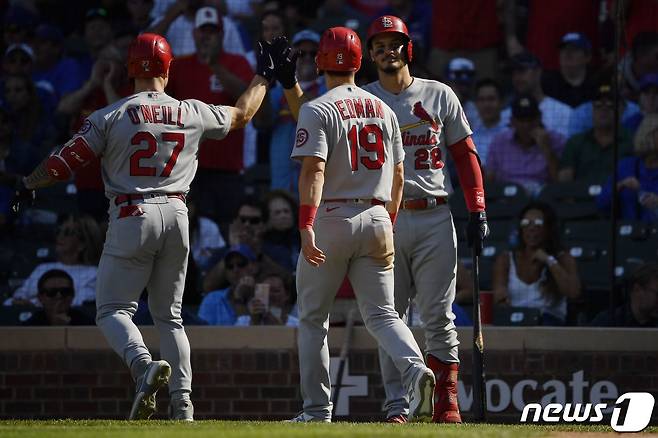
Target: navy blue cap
[49,33]
[524,61]
[575,39]
[242,250]
[525,106]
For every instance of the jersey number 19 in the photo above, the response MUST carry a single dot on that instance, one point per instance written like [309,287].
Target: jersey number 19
[370,138]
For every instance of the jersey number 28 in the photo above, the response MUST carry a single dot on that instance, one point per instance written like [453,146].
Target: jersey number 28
[136,169]
[370,138]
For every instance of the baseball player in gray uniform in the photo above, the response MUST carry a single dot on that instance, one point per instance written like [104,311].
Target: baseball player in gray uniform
[432,123]
[148,144]
[351,178]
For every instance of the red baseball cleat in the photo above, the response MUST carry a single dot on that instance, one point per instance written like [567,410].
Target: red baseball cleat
[446,408]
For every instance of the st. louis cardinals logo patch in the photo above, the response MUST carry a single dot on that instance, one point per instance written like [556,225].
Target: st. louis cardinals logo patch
[301,137]
[387,22]
[86,126]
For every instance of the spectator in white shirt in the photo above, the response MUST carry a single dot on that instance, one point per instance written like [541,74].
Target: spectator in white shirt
[78,247]
[526,79]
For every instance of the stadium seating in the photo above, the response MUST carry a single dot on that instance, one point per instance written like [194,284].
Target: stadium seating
[572,200]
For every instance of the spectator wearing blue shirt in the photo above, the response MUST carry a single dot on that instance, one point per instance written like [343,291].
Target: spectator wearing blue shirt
[61,74]
[224,306]
[638,177]
[489,104]
[648,101]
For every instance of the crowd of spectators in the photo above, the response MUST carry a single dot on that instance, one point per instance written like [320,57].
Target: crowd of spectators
[536,79]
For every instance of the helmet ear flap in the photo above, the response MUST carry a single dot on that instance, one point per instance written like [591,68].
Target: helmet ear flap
[409,50]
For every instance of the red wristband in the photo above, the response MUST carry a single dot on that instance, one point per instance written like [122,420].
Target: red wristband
[393,216]
[307,216]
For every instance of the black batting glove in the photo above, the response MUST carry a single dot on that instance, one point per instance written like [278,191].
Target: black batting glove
[23,197]
[477,230]
[285,61]
[264,60]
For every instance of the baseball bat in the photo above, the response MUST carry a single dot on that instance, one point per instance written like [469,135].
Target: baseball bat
[479,387]
[344,352]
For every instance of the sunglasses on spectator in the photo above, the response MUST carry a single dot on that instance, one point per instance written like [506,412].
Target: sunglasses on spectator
[307,53]
[253,220]
[52,292]
[527,222]
[236,265]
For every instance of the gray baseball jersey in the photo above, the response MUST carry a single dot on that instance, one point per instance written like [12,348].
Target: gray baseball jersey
[149,141]
[431,119]
[357,135]
[148,144]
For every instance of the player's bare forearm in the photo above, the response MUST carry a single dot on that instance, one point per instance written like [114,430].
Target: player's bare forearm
[249,102]
[396,190]
[296,98]
[39,177]
[311,181]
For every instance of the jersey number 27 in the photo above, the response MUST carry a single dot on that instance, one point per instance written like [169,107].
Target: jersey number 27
[136,169]
[370,138]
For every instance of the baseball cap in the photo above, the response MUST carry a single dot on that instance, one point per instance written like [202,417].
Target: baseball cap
[21,47]
[525,106]
[242,250]
[575,39]
[48,32]
[207,15]
[306,35]
[648,81]
[604,92]
[96,13]
[460,70]
[524,61]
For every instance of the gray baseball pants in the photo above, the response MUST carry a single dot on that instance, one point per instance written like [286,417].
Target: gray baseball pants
[357,240]
[425,262]
[148,251]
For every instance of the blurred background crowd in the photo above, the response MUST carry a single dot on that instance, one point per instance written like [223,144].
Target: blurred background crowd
[540,81]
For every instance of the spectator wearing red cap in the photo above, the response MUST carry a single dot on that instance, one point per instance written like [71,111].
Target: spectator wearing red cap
[573,83]
[215,76]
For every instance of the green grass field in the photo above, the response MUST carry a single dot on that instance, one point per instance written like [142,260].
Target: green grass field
[262,429]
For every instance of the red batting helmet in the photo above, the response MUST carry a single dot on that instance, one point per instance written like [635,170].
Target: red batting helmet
[339,50]
[390,23]
[149,56]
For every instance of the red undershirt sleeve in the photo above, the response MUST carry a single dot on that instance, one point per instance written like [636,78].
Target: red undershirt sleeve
[469,171]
